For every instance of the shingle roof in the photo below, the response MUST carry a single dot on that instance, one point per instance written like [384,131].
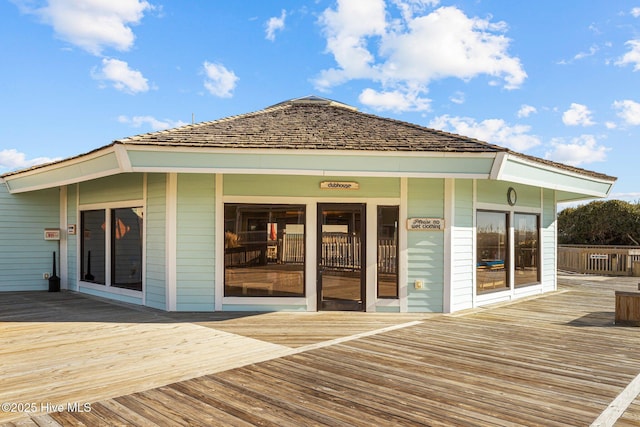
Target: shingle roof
[313,123]
[318,123]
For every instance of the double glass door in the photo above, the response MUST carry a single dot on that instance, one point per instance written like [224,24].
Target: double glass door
[341,256]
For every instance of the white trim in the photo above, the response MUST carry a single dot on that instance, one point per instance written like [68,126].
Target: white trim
[122,155]
[403,257]
[63,182]
[551,168]
[101,152]
[110,289]
[145,197]
[171,219]
[107,207]
[219,232]
[556,186]
[264,301]
[78,238]
[307,172]
[312,152]
[311,256]
[112,205]
[449,212]
[474,245]
[498,165]
[64,240]
[371,256]
[311,207]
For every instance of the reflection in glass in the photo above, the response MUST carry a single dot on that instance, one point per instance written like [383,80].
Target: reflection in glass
[526,242]
[492,261]
[388,251]
[92,246]
[264,250]
[126,244]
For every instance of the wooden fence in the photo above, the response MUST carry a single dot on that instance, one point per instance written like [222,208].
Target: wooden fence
[606,260]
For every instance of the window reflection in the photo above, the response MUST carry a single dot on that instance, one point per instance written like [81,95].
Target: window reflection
[126,243]
[93,246]
[388,251]
[527,255]
[492,261]
[264,250]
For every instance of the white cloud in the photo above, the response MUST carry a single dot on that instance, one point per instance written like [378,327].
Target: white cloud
[526,110]
[629,111]
[635,12]
[121,76]
[457,98]
[577,115]
[631,57]
[12,159]
[155,124]
[219,81]
[406,54]
[394,100]
[494,131]
[581,150]
[91,25]
[275,24]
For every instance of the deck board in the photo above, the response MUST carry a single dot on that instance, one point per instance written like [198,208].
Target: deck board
[554,360]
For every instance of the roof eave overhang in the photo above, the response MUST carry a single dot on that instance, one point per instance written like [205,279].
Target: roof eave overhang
[121,157]
[569,185]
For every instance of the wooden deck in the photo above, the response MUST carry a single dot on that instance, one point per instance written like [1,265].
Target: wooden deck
[555,360]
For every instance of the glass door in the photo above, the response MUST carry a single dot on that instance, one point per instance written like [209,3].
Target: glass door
[341,256]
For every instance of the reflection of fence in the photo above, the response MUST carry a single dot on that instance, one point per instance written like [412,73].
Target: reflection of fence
[341,251]
[387,256]
[293,248]
[244,256]
[609,260]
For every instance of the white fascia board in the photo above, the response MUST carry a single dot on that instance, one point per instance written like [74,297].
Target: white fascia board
[46,171]
[304,151]
[521,178]
[297,172]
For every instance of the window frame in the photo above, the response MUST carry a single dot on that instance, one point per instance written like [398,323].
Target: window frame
[397,254]
[108,209]
[508,251]
[303,215]
[538,253]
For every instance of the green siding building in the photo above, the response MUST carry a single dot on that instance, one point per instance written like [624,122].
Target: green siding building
[306,205]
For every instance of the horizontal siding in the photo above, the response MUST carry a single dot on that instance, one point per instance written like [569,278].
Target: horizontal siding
[72,242]
[425,249]
[24,254]
[549,242]
[462,263]
[195,262]
[307,186]
[111,189]
[155,283]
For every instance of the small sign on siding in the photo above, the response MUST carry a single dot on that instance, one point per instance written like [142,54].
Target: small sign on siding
[339,185]
[51,234]
[425,224]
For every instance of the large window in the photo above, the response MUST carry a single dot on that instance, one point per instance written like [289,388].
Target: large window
[264,250]
[111,241]
[492,256]
[527,254]
[388,251]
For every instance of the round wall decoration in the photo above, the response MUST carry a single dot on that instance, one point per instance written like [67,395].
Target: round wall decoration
[512,196]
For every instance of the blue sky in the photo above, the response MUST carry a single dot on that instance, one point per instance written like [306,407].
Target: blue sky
[553,79]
